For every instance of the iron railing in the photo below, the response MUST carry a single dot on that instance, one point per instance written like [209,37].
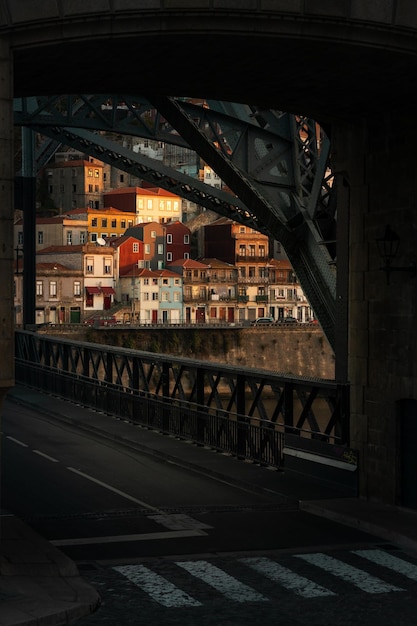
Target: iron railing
[245,412]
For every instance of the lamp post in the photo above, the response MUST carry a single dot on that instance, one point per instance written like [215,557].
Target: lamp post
[388,246]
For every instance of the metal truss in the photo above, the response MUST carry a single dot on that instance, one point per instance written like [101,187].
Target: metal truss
[310,409]
[275,164]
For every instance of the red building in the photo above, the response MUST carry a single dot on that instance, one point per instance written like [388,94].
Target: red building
[178,241]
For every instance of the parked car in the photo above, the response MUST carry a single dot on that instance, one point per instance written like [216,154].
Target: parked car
[288,320]
[263,320]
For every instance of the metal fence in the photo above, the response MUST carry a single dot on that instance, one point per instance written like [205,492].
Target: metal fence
[245,412]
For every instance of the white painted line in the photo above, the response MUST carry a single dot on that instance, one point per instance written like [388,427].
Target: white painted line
[227,585]
[160,589]
[85,541]
[353,575]
[110,488]
[287,578]
[46,456]
[389,560]
[20,443]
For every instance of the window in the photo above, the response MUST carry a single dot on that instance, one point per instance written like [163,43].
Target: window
[160,248]
[176,205]
[104,222]
[147,248]
[169,238]
[153,234]
[39,288]
[83,236]
[146,295]
[122,178]
[186,255]
[94,221]
[93,237]
[96,188]
[90,171]
[135,247]
[52,289]
[146,281]
[165,281]
[69,237]
[90,188]
[242,229]
[169,256]
[123,224]
[149,204]
[113,223]
[74,189]
[20,237]
[90,265]
[96,173]
[40,236]
[77,288]
[165,296]
[242,251]
[251,250]
[154,296]
[107,266]
[176,296]
[186,238]
[261,250]
[169,205]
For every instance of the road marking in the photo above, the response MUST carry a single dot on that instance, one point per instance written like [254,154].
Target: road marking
[221,581]
[388,560]
[20,443]
[46,456]
[353,575]
[110,488]
[84,541]
[160,589]
[287,578]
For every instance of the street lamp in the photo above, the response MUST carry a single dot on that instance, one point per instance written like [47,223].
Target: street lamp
[388,246]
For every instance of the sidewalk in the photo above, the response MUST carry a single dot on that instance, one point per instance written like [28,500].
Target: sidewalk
[40,586]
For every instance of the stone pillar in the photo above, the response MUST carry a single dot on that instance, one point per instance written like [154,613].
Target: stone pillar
[377,158]
[6,220]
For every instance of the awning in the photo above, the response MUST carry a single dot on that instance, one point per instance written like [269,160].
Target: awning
[92,290]
[108,291]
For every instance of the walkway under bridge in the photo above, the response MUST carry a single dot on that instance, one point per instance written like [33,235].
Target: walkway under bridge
[259,415]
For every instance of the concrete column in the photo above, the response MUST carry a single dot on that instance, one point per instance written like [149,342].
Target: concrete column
[6,220]
[377,157]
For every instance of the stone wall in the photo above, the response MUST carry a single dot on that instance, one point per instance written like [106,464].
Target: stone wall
[293,351]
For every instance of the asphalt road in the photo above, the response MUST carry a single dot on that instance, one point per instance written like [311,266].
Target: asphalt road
[166,546]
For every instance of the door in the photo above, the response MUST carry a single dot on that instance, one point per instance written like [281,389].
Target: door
[407,413]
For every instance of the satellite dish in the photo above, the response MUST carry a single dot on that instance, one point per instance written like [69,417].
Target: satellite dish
[101,241]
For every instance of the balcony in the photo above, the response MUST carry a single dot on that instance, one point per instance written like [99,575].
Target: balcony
[263,299]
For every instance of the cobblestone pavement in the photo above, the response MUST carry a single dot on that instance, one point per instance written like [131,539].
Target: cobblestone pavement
[371,585]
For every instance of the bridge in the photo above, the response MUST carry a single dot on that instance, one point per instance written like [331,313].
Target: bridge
[346,64]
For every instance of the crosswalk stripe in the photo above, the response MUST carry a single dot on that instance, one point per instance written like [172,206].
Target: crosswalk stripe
[353,575]
[221,581]
[160,589]
[389,560]
[287,578]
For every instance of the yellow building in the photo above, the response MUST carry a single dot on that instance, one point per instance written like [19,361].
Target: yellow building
[151,204]
[102,223]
